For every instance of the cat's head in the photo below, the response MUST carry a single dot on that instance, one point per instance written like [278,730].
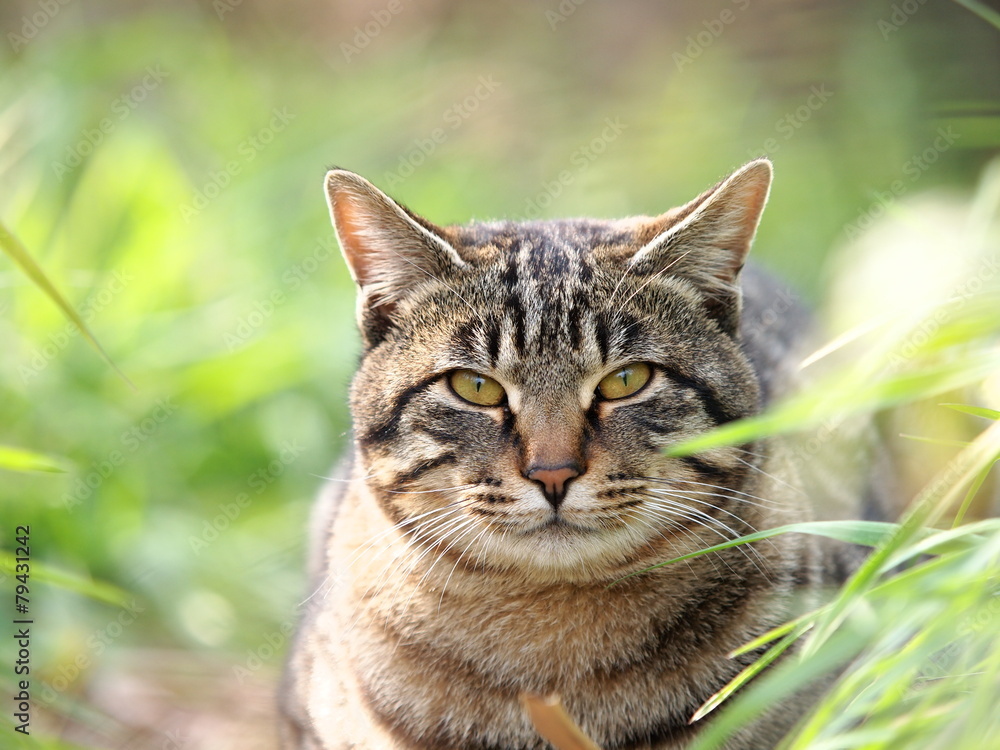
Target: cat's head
[520,381]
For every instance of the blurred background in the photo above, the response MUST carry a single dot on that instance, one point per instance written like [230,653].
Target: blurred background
[162,162]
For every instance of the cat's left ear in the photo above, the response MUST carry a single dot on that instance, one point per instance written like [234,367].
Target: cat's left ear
[389,250]
[708,239]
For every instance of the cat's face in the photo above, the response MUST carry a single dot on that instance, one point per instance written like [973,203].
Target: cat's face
[520,381]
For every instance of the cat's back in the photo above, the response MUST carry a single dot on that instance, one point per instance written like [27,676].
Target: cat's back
[776,331]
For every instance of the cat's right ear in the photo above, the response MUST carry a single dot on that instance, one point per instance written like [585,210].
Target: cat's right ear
[389,250]
[707,240]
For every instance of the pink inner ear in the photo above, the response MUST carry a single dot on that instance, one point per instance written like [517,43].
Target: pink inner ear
[351,230]
[747,203]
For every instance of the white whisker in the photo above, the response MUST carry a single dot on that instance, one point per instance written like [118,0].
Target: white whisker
[683,495]
[425,492]
[729,490]
[342,480]
[770,476]
[456,535]
[705,520]
[653,278]
[401,526]
[669,518]
[459,560]
[636,513]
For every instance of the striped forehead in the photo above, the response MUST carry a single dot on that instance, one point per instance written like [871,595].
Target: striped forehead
[547,305]
[553,258]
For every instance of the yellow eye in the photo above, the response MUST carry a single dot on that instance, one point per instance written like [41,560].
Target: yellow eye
[476,388]
[626,381]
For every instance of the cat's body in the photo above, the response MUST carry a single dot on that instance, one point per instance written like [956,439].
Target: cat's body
[467,557]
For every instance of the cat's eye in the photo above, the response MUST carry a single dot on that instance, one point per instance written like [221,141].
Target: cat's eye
[476,388]
[625,381]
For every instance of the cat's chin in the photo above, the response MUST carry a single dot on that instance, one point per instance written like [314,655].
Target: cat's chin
[569,550]
[560,525]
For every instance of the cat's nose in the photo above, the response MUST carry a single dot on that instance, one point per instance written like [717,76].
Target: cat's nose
[554,480]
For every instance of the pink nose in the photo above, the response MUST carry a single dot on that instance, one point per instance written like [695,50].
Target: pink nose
[554,480]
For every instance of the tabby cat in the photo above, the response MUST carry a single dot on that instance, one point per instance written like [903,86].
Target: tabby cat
[518,386]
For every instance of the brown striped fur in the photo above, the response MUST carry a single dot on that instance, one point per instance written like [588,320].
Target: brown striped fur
[446,583]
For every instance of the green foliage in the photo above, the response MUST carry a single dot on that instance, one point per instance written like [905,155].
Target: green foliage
[18,459]
[42,573]
[10,245]
[161,169]
[919,648]
[920,651]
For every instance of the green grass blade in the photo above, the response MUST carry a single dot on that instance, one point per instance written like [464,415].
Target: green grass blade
[867,533]
[828,401]
[749,672]
[929,505]
[906,581]
[774,633]
[783,680]
[16,251]
[34,741]
[971,494]
[944,542]
[848,337]
[103,592]
[19,459]
[935,441]
[983,11]
[977,411]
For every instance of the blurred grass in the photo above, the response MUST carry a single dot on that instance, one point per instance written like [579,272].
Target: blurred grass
[14,250]
[134,170]
[18,459]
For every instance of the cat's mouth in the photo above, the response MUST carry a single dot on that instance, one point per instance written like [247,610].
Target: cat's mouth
[558,524]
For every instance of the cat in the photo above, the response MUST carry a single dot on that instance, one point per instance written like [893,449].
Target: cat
[518,385]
